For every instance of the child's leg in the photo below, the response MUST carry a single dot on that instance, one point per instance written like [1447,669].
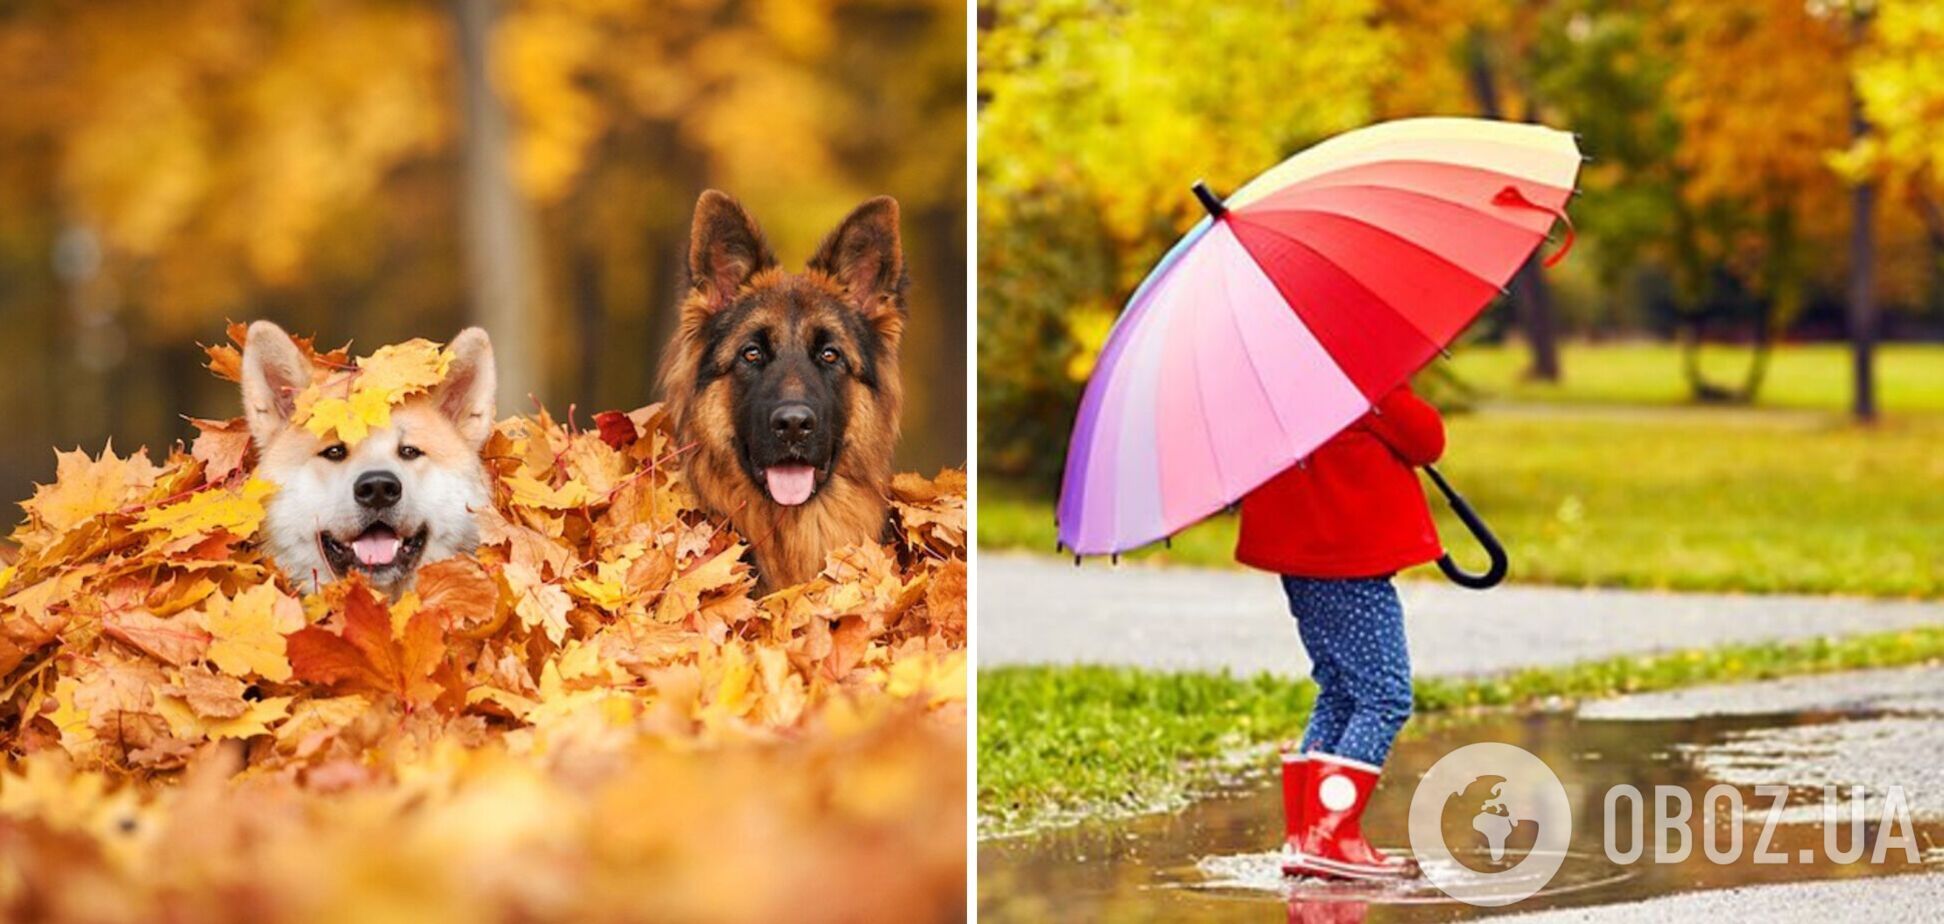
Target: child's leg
[1367,639]
[1307,599]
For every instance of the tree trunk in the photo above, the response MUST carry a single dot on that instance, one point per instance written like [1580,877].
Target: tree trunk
[1933,216]
[1532,303]
[1862,313]
[501,282]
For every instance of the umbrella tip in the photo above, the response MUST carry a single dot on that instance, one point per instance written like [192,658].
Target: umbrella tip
[1208,199]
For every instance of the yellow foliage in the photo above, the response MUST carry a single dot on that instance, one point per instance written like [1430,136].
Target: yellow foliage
[347,404]
[593,661]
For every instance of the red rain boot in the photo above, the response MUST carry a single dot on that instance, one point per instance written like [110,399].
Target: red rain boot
[1333,847]
[1295,787]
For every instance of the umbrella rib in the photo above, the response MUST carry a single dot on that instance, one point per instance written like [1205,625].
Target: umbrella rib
[1255,371]
[1124,329]
[1493,216]
[1414,245]
[1201,401]
[1316,181]
[1347,274]
[1318,160]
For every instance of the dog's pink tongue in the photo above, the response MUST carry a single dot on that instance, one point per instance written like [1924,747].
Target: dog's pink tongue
[790,485]
[376,548]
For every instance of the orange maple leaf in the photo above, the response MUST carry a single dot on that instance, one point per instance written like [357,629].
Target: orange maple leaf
[223,447]
[368,655]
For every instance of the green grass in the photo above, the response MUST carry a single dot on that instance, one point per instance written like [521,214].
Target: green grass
[1682,499]
[1910,377]
[1057,742]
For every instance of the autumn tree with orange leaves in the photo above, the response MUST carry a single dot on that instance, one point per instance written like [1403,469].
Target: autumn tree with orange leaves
[166,167]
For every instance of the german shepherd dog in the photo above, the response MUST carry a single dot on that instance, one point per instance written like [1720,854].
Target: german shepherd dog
[784,386]
[405,495]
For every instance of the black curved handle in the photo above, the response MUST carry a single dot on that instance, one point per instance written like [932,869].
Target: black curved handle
[1495,572]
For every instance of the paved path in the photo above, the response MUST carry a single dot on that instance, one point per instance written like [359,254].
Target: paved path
[1887,898]
[1040,610]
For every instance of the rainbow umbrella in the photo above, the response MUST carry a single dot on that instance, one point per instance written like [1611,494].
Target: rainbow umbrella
[1308,295]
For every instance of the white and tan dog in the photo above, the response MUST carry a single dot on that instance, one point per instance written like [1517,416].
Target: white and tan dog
[403,496]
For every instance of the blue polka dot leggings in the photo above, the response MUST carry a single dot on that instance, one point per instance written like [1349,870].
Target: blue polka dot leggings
[1354,631]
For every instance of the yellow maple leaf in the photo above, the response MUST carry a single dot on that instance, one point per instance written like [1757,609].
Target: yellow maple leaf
[238,511]
[314,722]
[538,603]
[938,679]
[254,720]
[683,595]
[403,369]
[350,419]
[529,491]
[85,488]
[353,403]
[77,736]
[247,632]
[607,587]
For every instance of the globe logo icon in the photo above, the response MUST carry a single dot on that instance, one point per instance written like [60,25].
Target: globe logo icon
[1504,823]
[1490,824]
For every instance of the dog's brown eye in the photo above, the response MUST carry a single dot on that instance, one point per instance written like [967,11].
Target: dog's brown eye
[409,453]
[752,354]
[830,356]
[334,452]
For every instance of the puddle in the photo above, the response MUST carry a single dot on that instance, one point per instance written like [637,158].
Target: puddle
[1262,873]
[1208,862]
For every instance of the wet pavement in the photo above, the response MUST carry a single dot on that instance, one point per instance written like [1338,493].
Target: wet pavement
[1210,861]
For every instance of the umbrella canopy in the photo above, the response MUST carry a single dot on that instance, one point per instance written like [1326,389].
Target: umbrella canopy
[1299,302]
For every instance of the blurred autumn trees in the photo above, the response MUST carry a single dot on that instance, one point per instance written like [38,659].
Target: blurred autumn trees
[164,166]
[1732,145]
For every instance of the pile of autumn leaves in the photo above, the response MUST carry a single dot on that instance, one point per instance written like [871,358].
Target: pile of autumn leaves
[593,718]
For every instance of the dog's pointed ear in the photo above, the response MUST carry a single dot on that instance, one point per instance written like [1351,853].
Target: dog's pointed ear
[725,249]
[469,395]
[866,258]
[274,371]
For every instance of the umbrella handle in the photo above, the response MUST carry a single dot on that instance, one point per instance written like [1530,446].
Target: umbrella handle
[1495,572]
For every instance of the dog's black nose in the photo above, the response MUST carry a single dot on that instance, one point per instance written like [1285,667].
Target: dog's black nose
[377,490]
[793,422]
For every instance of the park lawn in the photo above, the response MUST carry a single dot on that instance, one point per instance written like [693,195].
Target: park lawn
[1910,377]
[1666,498]
[1059,743]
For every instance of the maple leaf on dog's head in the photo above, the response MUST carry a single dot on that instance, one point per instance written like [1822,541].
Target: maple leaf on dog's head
[226,359]
[404,369]
[351,418]
[349,403]
[368,655]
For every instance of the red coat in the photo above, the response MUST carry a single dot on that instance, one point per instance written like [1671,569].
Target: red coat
[1354,508]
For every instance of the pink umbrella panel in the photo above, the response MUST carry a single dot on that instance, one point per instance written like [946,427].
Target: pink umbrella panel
[1281,318]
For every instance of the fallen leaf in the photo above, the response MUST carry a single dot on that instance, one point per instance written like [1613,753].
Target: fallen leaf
[247,632]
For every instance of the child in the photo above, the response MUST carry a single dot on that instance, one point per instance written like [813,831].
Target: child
[1337,525]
